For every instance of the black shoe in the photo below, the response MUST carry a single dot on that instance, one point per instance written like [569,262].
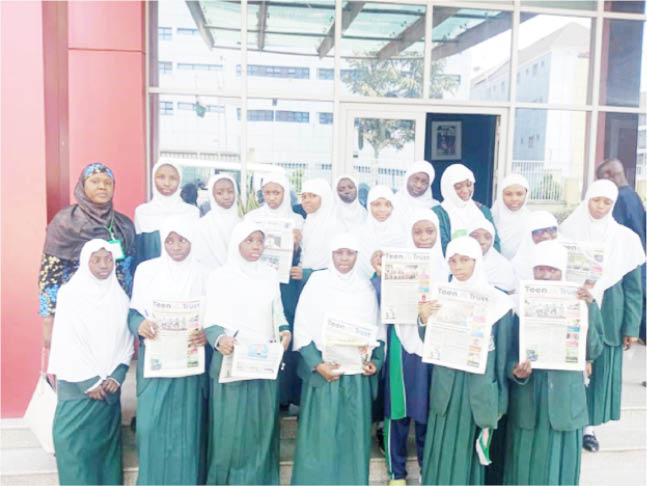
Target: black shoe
[590,443]
[379,436]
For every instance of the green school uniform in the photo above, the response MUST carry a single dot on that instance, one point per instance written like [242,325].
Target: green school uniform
[171,423]
[147,246]
[460,405]
[621,314]
[334,436]
[87,433]
[446,227]
[545,419]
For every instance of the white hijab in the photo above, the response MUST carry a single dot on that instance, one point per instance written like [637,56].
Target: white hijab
[346,296]
[213,230]
[623,251]
[510,224]
[351,214]
[241,294]
[375,235]
[551,253]
[500,303]
[150,216]
[405,201]
[499,271]
[163,278]
[523,260]
[408,335]
[284,210]
[91,336]
[320,226]
[461,213]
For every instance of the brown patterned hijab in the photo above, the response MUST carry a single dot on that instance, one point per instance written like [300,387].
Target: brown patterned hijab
[79,223]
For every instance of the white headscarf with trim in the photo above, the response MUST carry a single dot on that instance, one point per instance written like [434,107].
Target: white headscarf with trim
[241,294]
[500,303]
[500,271]
[523,260]
[461,213]
[346,296]
[320,227]
[405,201]
[623,250]
[375,235]
[408,335]
[150,216]
[284,210]
[510,224]
[213,230]
[163,278]
[90,335]
[351,214]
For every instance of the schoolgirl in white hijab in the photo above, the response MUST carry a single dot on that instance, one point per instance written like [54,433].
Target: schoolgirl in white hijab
[213,230]
[453,415]
[284,210]
[499,271]
[320,226]
[407,202]
[511,220]
[460,212]
[376,235]
[150,216]
[169,410]
[622,248]
[351,214]
[542,226]
[244,305]
[90,354]
[91,336]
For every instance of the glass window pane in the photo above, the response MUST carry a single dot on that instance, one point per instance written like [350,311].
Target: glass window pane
[623,65]
[382,49]
[622,136]
[553,61]
[470,57]
[571,4]
[291,47]
[549,149]
[182,57]
[627,6]
[294,138]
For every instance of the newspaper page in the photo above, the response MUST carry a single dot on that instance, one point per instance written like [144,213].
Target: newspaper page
[552,325]
[257,361]
[406,278]
[585,262]
[169,355]
[279,245]
[458,336]
[348,344]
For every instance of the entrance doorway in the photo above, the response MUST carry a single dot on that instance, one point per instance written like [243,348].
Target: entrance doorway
[378,143]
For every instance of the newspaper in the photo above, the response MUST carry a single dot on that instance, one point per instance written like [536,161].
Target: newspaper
[279,245]
[458,335]
[552,325]
[169,355]
[406,278]
[585,262]
[348,344]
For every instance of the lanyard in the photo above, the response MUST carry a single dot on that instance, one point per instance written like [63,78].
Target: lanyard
[109,228]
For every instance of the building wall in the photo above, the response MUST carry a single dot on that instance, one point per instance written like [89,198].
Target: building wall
[106,90]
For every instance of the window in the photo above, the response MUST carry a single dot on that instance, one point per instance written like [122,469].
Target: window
[189,66]
[642,119]
[534,69]
[257,115]
[325,118]
[531,141]
[187,31]
[325,73]
[165,67]
[293,116]
[275,71]
[165,33]
[166,107]
[185,106]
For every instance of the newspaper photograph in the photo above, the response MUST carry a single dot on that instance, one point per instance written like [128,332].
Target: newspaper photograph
[406,279]
[348,344]
[169,355]
[457,336]
[279,245]
[552,325]
[585,262]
